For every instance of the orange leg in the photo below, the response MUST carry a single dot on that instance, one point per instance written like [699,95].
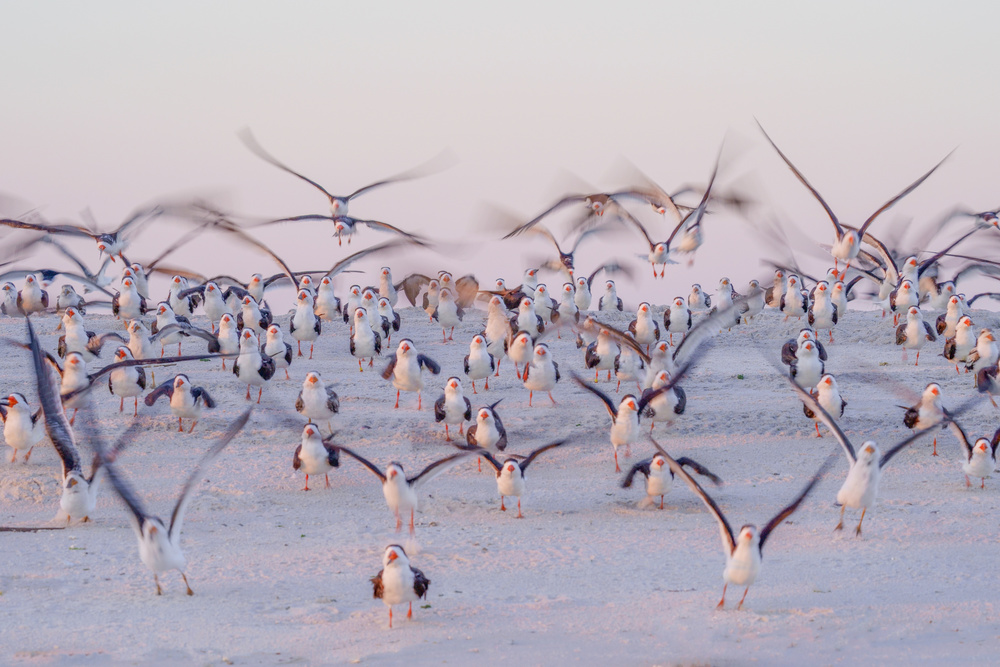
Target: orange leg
[503,508]
[530,394]
[397,399]
[327,480]
[409,614]
[193,424]
[745,591]
[300,349]
[485,388]
[661,502]
[136,412]
[519,515]
[934,453]
[411,522]
[311,345]
[617,468]
[447,436]
[552,399]
[722,602]
[306,488]
[248,392]
[121,405]
[817,431]
[419,399]
[260,392]
[390,612]
[474,387]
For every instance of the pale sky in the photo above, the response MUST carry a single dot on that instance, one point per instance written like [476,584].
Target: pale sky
[113,104]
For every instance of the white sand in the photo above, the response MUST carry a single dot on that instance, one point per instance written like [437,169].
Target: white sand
[281,575]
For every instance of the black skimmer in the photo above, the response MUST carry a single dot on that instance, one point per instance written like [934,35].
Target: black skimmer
[159,544]
[315,455]
[398,581]
[364,341]
[660,478]
[448,313]
[127,381]
[277,349]
[541,373]
[927,413]
[827,394]
[404,369]
[186,400]
[510,473]
[677,318]
[251,367]
[452,407]
[610,302]
[22,428]
[479,363]
[914,333]
[317,400]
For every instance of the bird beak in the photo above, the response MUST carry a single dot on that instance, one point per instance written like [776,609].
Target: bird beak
[392,556]
[392,474]
[510,467]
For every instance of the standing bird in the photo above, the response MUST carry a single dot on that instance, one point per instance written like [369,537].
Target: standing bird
[541,374]
[827,394]
[754,303]
[32,298]
[807,368]
[317,401]
[497,330]
[229,336]
[902,299]
[127,304]
[526,319]
[914,333]
[985,354]
[510,473]
[398,581]
[277,349]
[128,381]
[327,303]
[947,322]
[927,413]
[22,429]
[610,302]
[364,341]
[630,366]
[697,299]
[601,354]
[520,350]
[448,313]
[568,310]
[980,459]
[401,492]
[251,367]
[405,369]
[186,400]
[644,328]
[847,242]
[677,318]
[660,478]
[159,545]
[488,432]
[305,325]
[479,363]
[794,303]
[452,407]
[390,317]
[252,316]
[165,317]
[744,550]
[822,311]
[315,455]
[665,407]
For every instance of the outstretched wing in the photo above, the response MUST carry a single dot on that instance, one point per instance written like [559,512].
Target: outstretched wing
[177,518]
[608,403]
[825,417]
[437,468]
[56,425]
[531,457]
[889,204]
[780,517]
[641,466]
[363,461]
[250,142]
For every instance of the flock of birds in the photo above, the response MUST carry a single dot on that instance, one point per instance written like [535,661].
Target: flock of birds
[520,321]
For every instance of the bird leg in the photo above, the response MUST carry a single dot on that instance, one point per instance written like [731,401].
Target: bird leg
[487,386]
[390,608]
[619,387]
[722,602]
[411,522]
[184,577]
[446,435]
[831,335]
[287,376]
[857,531]
[260,392]
[193,424]
[597,376]
[360,369]
[306,487]
[248,392]
[530,394]
[399,522]
[444,338]
[474,387]
[552,399]
[661,502]
[121,405]
[178,349]
[671,339]
[311,345]
[745,591]
[300,349]
[419,403]
[327,480]
[617,468]
[497,374]
[13,457]
[982,484]
[451,336]
[917,362]
[654,270]
[180,425]
[461,428]
[840,526]
[993,402]
[662,269]
[26,456]
[397,399]
[817,431]
[519,515]
[503,508]
[409,614]
[136,413]
[967,482]
[609,375]
[934,453]
[223,368]
[156,578]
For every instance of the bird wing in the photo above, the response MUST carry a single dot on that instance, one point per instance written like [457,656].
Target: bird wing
[439,162]
[889,204]
[531,457]
[165,389]
[531,223]
[340,266]
[177,518]
[56,424]
[725,530]
[428,363]
[608,403]
[641,466]
[250,142]
[363,461]
[700,469]
[959,432]
[780,517]
[437,468]
[802,179]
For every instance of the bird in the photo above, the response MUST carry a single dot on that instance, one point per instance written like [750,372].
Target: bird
[626,415]
[8,305]
[215,300]
[448,313]
[327,303]
[847,240]
[822,310]
[479,363]
[773,294]
[183,305]
[902,299]
[398,581]
[304,324]
[405,369]
[128,381]
[568,310]
[790,349]
[315,455]
[488,432]
[660,478]
[229,336]
[364,342]
[644,328]
[545,305]
[389,317]
[253,316]
[985,354]
[754,302]
[601,354]
[630,366]
[793,303]
[510,473]
[31,298]
[541,373]
[22,428]
[743,550]
[827,394]
[275,347]
[610,302]
[947,322]
[186,400]
[165,317]
[317,400]
[159,544]
[697,299]
[401,492]
[665,407]
[860,488]
[980,458]
[914,333]
[677,318]
[807,368]
[520,349]
[927,413]
[452,407]
[526,319]
[251,367]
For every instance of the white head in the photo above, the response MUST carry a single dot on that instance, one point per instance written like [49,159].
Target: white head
[541,352]
[181,382]
[274,332]
[405,347]
[312,379]
[453,387]
[395,556]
